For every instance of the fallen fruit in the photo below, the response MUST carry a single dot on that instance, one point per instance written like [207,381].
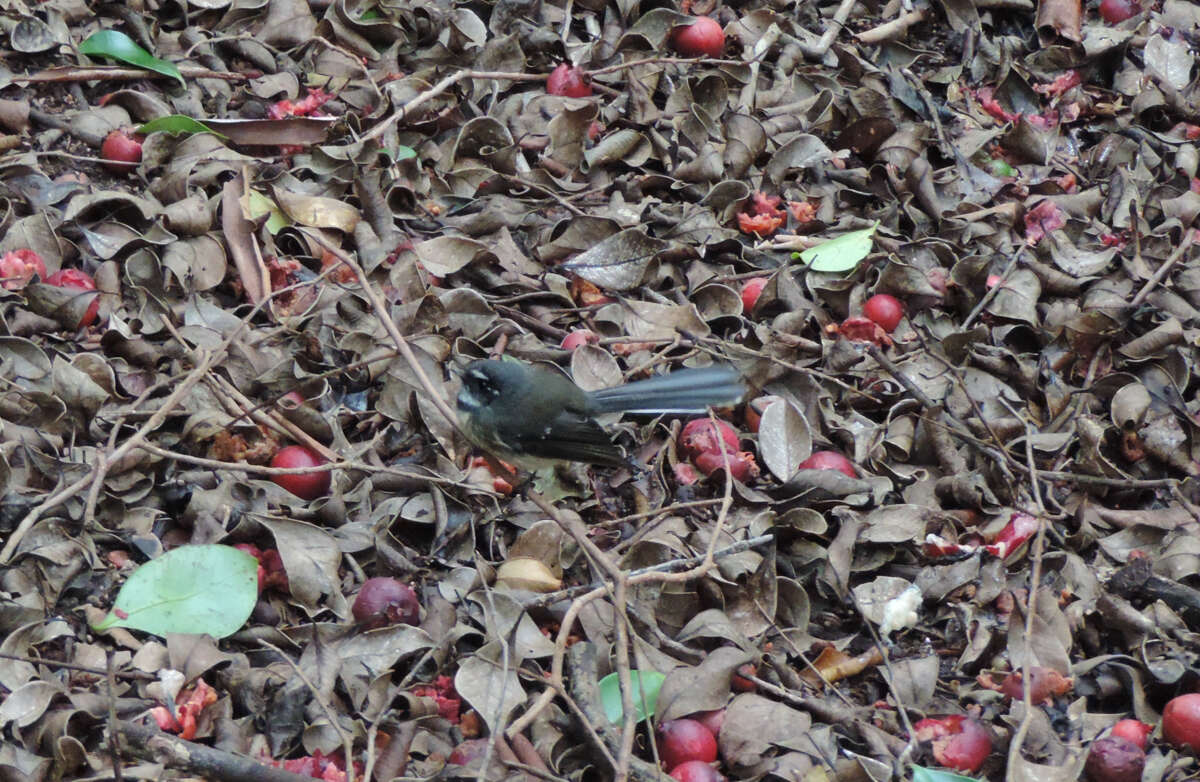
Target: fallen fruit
[829,460]
[82,281]
[578,338]
[682,740]
[1045,683]
[1181,721]
[741,464]
[713,720]
[695,771]
[702,38]
[1135,730]
[18,267]
[700,436]
[568,80]
[860,329]
[1116,11]
[959,742]
[306,486]
[122,151]
[739,683]
[884,310]
[386,601]
[1114,759]
[751,290]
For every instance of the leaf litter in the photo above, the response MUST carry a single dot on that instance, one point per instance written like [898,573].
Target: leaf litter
[336,206]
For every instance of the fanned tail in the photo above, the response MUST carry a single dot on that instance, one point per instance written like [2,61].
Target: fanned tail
[685,391]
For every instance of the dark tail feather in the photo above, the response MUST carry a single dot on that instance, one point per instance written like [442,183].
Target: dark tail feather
[685,391]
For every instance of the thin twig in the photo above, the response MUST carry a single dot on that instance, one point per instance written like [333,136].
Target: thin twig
[1189,236]
[96,72]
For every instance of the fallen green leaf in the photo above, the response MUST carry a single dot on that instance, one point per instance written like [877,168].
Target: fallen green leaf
[841,254]
[645,694]
[259,205]
[116,45]
[191,589]
[176,124]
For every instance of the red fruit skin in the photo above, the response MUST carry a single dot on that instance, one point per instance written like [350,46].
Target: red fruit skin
[1114,759]
[884,310]
[82,281]
[695,771]
[739,683]
[751,291]
[829,460]
[713,720]
[122,151]
[1117,11]
[700,436]
[702,38]
[305,486]
[682,740]
[1181,721]
[568,80]
[959,742]
[578,338]
[18,267]
[385,601]
[1134,730]
[741,464]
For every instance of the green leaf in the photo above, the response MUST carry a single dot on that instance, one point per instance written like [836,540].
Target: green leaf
[404,153]
[116,45]
[258,205]
[922,774]
[1001,167]
[176,124]
[192,589]
[645,694]
[841,254]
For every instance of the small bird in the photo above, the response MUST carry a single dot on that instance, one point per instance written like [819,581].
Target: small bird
[535,417]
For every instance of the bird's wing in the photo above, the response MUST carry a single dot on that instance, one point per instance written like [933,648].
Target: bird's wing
[573,438]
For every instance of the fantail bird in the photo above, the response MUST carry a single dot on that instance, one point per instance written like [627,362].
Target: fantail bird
[535,417]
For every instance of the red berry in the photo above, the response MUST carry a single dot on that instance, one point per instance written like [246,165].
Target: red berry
[700,436]
[682,740]
[306,486]
[739,683]
[18,267]
[884,310]
[696,771]
[959,742]
[751,290]
[1181,721]
[741,464]
[829,460]
[386,601]
[568,80]
[1114,759]
[1115,11]
[122,151]
[579,337]
[1135,730]
[81,281]
[702,38]
[713,720]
